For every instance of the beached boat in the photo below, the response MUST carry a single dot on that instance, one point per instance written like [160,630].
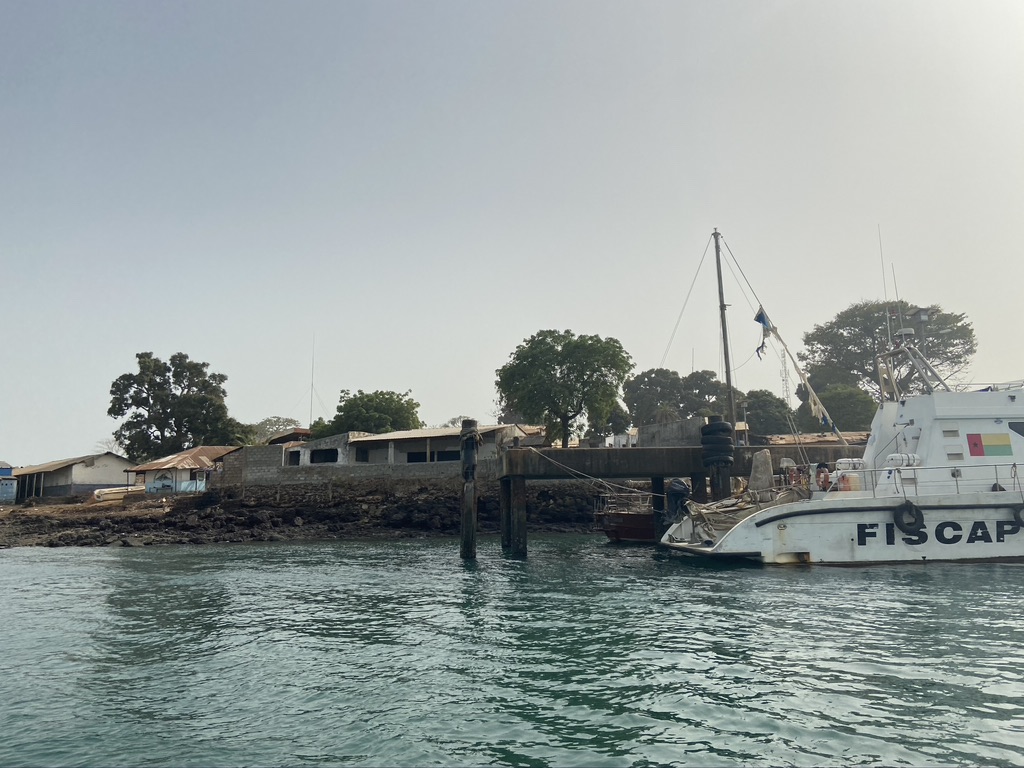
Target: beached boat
[938,481]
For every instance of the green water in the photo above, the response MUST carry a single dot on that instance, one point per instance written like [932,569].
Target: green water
[585,654]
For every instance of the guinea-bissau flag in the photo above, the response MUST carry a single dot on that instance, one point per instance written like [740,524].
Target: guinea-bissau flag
[990,445]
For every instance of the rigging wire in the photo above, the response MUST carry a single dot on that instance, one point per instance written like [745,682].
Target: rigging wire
[685,302]
[752,291]
[593,480]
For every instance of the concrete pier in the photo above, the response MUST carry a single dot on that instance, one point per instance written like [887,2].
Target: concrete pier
[521,464]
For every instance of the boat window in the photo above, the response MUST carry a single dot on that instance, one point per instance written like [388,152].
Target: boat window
[951,433]
[1018,427]
[959,456]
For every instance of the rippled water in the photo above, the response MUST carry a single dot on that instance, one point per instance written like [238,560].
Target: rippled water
[396,653]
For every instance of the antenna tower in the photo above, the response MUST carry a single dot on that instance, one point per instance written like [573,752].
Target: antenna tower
[785,379]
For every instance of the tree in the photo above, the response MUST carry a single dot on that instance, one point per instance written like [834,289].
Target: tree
[560,379]
[654,396]
[170,407]
[851,409]
[455,421]
[265,429]
[376,412]
[767,413]
[704,395]
[616,423]
[844,350]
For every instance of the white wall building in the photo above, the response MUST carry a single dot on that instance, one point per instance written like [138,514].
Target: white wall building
[72,477]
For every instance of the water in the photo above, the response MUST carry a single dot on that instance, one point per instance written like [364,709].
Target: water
[585,654]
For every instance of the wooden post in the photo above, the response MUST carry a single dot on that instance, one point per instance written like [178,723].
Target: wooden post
[721,482]
[518,498]
[505,509]
[658,503]
[699,487]
[470,439]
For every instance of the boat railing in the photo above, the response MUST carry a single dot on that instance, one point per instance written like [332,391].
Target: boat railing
[918,480]
[623,502]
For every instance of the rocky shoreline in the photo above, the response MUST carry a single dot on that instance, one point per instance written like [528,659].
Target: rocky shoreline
[223,516]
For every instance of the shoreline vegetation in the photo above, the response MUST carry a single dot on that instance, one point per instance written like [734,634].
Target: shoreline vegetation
[221,516]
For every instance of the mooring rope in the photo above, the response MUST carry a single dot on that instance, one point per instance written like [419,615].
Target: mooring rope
[593,480]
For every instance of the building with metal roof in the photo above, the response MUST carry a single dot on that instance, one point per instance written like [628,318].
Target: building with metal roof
[183,472]
[72,477]
[411,446]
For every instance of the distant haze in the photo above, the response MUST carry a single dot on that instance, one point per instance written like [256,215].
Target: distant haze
[416,187]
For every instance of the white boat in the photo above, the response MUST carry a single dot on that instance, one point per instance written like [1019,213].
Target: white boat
[938,482]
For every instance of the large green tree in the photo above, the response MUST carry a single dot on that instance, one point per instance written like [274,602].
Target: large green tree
[563,380]
[704,395]
[654,396]
[377,412]
[851,409]
[171,406]
[766,412]
[263,430]
[844,350]
[615,423]
[659,395]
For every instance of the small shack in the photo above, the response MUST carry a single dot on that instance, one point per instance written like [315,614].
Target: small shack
[184,472]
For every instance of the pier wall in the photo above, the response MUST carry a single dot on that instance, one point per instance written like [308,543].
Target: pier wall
[427,504]
[263,465]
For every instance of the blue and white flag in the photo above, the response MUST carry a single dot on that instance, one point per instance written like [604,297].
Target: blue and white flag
[762,318]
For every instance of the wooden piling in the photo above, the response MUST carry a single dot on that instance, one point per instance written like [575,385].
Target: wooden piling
[658,495]
[658,504]
[518,515]
[505,509]
[699,487]
[470,441]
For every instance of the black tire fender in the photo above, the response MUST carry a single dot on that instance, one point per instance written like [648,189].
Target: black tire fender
[709,461]
[908,517]
[717,428]
[707,440]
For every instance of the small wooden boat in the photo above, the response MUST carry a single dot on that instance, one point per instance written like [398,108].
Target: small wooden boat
[628,518]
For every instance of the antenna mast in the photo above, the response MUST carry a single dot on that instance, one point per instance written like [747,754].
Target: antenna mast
[312,369]
[885,288]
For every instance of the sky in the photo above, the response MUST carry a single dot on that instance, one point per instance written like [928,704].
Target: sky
[314,196]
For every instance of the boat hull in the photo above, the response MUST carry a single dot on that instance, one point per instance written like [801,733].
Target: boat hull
[630,527]
[979,527]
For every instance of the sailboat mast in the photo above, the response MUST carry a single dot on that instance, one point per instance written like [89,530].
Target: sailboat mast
[725,331]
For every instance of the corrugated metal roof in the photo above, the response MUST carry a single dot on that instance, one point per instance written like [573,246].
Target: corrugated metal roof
[53,466]
[202,457]
[423,434]
[292,435]
[826,438]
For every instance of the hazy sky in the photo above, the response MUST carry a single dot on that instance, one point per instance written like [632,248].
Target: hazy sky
[413,188]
